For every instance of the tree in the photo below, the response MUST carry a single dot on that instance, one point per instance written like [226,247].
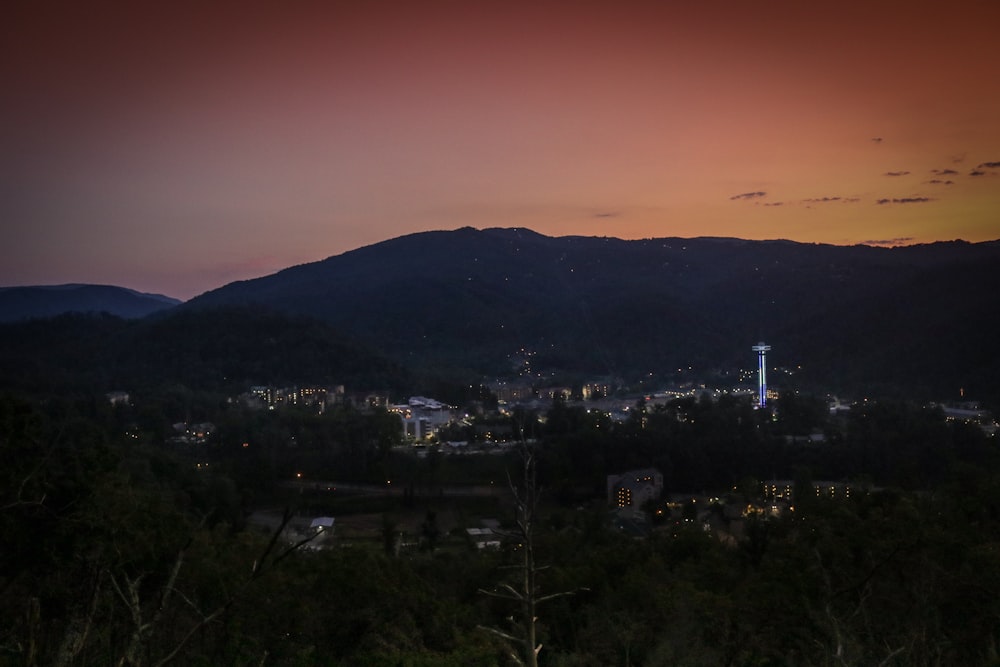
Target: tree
[525,592]
[430,533]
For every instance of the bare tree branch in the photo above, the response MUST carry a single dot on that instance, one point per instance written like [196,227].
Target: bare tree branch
[892,655]
[142,630]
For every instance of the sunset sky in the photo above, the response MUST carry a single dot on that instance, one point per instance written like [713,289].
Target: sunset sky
[173,147]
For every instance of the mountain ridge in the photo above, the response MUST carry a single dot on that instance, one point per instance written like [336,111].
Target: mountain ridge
[472,298]
[471,305]
[41,301]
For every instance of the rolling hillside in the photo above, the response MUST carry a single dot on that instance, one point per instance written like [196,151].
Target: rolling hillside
[920,317]
[23,303]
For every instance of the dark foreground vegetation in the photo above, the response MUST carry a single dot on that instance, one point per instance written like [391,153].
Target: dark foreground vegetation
[119,549]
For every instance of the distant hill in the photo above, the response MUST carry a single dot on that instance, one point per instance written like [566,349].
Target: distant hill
[921,318]
[23,303]
[214,350]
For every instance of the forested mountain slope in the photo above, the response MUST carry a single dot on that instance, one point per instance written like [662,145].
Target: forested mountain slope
[917,316]
[22,303]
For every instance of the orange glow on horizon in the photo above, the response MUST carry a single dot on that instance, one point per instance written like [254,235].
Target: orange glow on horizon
[176,149]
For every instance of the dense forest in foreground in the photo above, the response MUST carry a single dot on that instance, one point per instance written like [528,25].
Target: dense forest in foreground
[122,548]
[125,544]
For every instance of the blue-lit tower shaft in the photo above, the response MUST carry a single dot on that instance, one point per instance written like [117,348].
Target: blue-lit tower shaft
[761,350]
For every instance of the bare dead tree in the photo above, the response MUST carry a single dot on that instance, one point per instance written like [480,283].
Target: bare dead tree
[522,640]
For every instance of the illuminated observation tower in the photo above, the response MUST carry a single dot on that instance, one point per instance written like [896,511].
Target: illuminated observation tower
[761,350]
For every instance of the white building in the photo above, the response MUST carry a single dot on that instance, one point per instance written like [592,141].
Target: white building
[422,417]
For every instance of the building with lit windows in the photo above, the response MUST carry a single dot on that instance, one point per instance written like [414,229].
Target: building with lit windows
[512,392]
[264,396]
[635,488]
[422,417]
[784,489]
[595,390]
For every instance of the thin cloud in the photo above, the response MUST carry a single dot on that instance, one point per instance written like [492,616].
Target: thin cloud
[904,200]
[989,165]
[896,173]
[834,199]
[877,140]
[944,172]
[938,181]
[749,195]
[607,214]
[977,172]
[902,240]
[774,203]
